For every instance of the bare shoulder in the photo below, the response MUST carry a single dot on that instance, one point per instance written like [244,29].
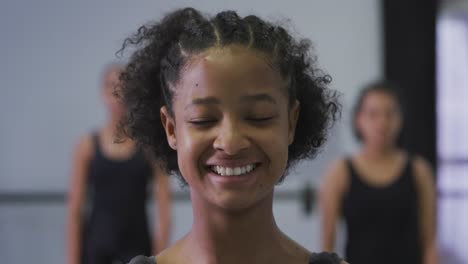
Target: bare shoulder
[295,250]
[421,163]
[84,146]
[422,169]
[423,175]
[336,177]
[338,167]
[173,254]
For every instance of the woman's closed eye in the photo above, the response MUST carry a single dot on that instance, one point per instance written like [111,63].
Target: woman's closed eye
[202,122]
[261,119]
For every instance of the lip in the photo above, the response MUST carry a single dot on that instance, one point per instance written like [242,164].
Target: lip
[232,163]
[234,181]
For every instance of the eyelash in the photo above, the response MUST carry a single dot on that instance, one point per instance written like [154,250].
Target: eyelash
[202,123]
[260,119]
[207,122]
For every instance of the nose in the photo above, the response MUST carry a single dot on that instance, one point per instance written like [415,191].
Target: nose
[231,138]
[384,121]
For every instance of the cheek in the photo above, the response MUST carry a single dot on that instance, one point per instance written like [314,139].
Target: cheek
[115,104]
[364,124]
[396,125]
[111,101]
[373,122]
[190,149]
[275,143]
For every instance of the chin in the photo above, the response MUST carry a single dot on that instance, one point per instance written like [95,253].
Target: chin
[236,203]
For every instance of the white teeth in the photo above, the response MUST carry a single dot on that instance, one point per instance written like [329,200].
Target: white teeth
[226,171]
[222,170]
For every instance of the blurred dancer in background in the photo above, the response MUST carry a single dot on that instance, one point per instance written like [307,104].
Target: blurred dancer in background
[386,195]
[114,178]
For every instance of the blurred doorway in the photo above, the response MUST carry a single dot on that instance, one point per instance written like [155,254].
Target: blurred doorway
[452,131]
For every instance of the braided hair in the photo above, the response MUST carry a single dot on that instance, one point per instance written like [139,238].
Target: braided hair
[163,48]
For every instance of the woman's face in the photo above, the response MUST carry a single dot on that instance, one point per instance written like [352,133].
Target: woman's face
[231,127]
[379,120]
[113,104]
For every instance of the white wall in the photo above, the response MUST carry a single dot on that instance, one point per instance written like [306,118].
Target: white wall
[52,53]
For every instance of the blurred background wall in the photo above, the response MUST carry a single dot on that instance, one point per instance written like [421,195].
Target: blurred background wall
[52,53]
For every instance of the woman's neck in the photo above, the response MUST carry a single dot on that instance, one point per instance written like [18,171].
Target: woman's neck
[110,137]
[111,124]
[376,153]
[250,236]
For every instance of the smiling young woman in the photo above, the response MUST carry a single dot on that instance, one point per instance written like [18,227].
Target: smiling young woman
[228,104]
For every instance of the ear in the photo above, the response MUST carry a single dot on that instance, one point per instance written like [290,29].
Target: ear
[357,119]
[293,117]
[169,126]
[401,119]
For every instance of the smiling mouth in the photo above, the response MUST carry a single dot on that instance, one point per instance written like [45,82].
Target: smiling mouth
[233,171]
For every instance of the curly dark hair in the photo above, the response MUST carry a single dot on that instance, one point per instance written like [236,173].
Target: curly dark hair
[164,47]
[387,87]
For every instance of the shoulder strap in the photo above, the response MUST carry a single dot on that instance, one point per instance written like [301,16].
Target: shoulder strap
[409,162]
[324,258]
[408,172]
[351,170]
[96,143]
[143,260]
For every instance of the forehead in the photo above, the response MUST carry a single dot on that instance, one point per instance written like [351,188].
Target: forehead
[232,55]
[233,65]
[380,98]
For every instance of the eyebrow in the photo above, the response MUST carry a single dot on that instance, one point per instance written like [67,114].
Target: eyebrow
[203,101]
[258,97]
[245,99]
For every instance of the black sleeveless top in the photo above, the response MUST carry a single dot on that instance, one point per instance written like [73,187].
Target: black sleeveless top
[118,221]
[315,258]
[382,222]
